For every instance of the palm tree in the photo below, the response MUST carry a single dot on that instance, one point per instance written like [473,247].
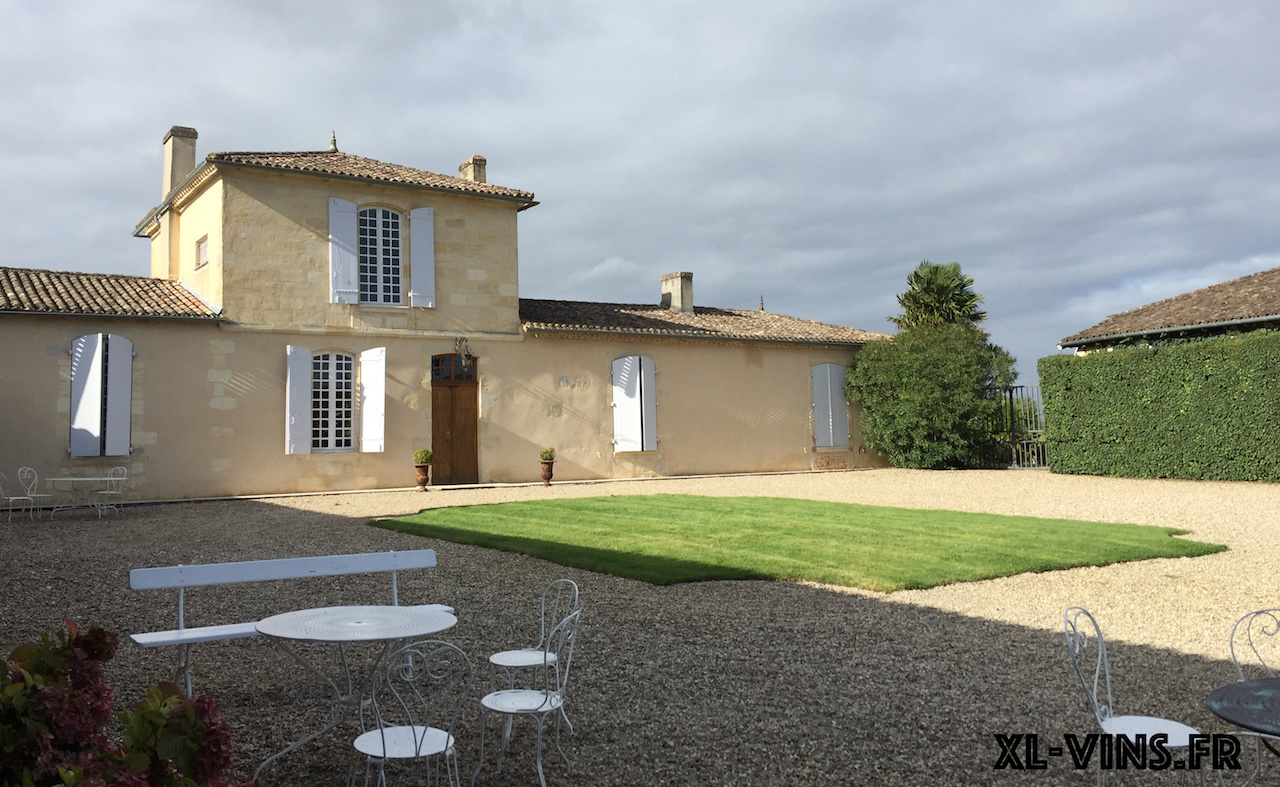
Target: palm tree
[938,294]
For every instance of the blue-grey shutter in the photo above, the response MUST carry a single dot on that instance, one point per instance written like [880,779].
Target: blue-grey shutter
[373,387]
[648,405]
[830,408]
[297,396]
[628,434]
[344,266]
[422,267]
[119,393]
[86,395]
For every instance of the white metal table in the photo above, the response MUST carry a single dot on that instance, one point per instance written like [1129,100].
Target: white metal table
[79,493]
[342,626]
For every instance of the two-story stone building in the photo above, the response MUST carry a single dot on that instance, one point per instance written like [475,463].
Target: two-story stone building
[313,318]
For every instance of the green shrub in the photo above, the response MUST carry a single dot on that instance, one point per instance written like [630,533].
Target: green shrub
[547,454]
[927,399]
[423,456]
[1208,409]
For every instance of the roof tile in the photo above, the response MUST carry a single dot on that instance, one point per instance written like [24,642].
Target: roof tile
[1253,297]
[706,323]
[102,294]
[345,164]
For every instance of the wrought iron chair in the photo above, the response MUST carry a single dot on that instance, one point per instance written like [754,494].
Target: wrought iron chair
[113,495]
[10,499]
[1255,647]
[1079,626]
[30,481]
[1255,643]
[416,695]
[537,703]
[559,600]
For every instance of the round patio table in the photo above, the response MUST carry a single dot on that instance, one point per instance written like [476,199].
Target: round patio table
[356,624]
[343,626]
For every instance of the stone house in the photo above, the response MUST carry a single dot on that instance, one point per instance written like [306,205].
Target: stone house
[312,318]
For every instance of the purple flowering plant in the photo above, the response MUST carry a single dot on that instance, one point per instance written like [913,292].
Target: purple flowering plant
[54,704]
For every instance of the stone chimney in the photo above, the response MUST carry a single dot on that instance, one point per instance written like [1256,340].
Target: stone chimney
[677,292]
[179,157]
[472,169]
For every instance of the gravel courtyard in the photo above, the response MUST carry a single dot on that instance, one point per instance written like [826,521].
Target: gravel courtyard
[725,683]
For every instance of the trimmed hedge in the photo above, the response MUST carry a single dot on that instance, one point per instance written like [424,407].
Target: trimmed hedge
[1208,409]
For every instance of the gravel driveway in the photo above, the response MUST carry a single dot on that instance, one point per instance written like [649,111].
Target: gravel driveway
[733,683]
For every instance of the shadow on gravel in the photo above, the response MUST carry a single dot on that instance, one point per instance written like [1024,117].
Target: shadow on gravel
[713,683]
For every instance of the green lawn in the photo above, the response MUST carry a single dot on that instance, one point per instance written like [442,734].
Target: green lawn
[664,539]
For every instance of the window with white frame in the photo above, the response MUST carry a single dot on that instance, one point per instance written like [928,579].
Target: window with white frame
[333,385]
[830,406]
[635,404]
[367,256]
[202,252]
[379,233]
[101,395]
[322,412]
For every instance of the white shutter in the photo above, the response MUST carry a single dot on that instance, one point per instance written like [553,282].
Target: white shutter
[830,408]
[627,432]
[344,267]
[86,395]
[422,268]
[119,392]
[648,405]
[373,405]
[297,397]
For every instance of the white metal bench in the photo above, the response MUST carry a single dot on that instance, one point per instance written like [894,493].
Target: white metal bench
[183,577]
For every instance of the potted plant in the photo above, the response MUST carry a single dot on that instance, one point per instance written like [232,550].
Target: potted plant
[422,463]
[548,457]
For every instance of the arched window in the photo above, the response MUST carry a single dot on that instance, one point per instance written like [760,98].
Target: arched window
[320,401]
[367,255]
[379,233]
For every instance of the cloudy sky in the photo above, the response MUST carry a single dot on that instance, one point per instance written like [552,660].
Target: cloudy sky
[1076,158]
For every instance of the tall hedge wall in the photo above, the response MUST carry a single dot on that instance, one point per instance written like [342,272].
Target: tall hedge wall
[1208,409]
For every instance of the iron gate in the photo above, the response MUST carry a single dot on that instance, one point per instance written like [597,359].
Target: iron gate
[1017,430]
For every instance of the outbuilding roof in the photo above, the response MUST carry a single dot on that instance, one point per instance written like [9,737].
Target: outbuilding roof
[1244,301]
[31,291]
[349,166]
[589,318]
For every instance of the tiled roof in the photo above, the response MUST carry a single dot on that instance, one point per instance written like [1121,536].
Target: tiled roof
[1250,298]
[100,294]
[347,165]
[705,323]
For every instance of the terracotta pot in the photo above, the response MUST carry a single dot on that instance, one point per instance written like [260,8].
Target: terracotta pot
[424,476]
[546,472]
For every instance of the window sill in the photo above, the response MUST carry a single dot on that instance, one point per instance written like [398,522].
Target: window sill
[832,449]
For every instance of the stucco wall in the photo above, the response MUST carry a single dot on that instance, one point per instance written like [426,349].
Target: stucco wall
[276,256]
[208,408]
[720,408]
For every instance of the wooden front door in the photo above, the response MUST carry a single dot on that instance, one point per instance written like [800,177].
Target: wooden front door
[454,421]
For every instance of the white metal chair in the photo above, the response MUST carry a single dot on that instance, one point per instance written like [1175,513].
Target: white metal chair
[537,703]
[416,695]
[1255,647]
[1255,643]
[11,499]
[30,481]
[559,600]
[113,495]
[1079,626]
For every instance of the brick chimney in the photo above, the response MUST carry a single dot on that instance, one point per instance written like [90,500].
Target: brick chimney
[179,157]
[473,169]
[677,292]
